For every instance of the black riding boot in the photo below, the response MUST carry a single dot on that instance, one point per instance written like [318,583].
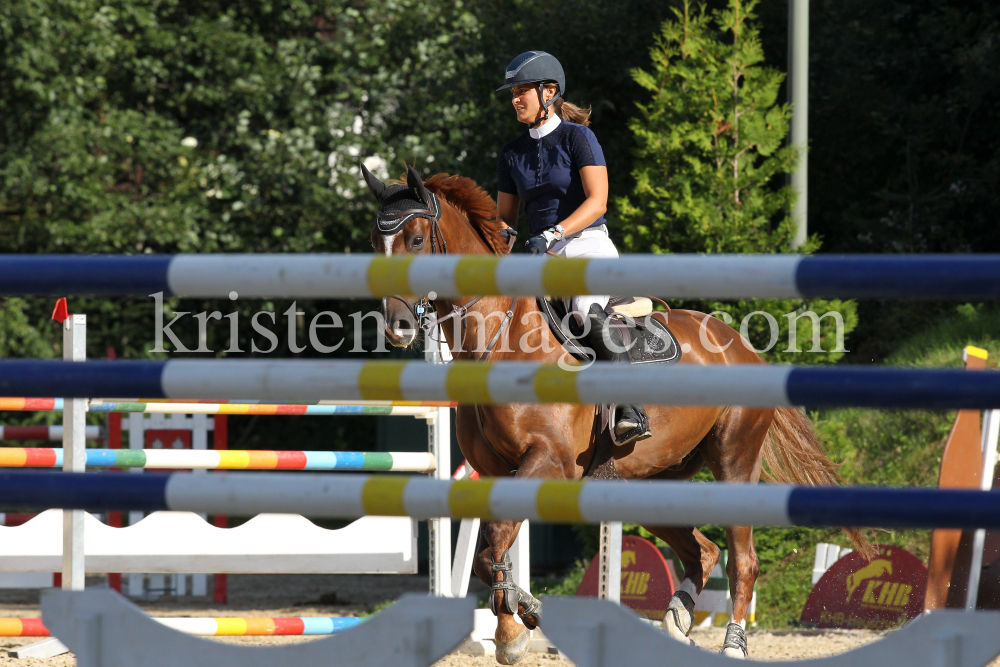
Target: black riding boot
[631,423]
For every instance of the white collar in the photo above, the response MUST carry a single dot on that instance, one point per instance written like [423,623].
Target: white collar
[547,128]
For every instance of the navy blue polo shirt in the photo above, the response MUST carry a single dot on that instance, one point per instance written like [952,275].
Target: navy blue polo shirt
[545,173]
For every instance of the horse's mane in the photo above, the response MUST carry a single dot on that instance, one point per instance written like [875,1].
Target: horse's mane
[466,195]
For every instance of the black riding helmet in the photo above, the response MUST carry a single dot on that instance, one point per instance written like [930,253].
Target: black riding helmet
[539,68]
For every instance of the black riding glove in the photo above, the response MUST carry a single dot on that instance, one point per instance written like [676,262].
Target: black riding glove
[539,244]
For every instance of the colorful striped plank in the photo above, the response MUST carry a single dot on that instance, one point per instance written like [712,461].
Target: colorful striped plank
[213,459]
[966,277]
[563,501]
[212,627]
[750,385]
[23,627]
[212,406]
[19,404]
[204,408]
[411,404]
[44,433]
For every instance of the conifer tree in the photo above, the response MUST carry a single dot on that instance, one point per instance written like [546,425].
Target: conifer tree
[711,159]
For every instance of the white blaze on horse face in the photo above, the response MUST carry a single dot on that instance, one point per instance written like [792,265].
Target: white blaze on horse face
[387,241]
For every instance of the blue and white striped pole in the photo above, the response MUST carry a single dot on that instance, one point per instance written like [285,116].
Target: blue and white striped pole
[972,277]
[752,385]
[350,496]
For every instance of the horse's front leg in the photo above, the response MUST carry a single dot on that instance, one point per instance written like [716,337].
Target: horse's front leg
[493,567]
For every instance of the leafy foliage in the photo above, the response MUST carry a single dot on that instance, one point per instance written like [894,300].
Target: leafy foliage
[711,141]
[710,150]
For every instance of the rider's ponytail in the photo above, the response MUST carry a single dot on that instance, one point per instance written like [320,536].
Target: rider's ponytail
[572,113]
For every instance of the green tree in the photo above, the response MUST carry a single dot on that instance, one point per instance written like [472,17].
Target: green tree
[710,159]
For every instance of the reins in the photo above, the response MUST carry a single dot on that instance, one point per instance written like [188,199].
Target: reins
[429,323]
[425,304]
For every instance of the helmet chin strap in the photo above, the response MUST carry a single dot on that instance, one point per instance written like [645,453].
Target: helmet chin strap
[545,105]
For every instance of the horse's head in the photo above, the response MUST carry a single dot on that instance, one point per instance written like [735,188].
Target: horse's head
[407,223]
[449,214]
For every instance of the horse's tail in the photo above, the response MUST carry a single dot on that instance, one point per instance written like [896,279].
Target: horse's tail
[793,454]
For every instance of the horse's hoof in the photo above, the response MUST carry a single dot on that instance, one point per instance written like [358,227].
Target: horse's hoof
[730,652]
[510,653]
[675,632]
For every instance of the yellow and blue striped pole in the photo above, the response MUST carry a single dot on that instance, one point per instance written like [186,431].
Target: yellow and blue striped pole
[555,501]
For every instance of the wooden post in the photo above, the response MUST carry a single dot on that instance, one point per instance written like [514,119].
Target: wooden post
[74,454]
[115,518]
[961,468]
[439,444]
[220,435]
[609,576]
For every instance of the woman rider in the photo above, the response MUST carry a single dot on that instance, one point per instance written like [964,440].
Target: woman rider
[557,168]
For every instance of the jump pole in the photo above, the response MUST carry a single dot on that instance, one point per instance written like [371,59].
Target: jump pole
[213,627]
[466,382]
[350,496]
[214,459]
[961,277]
[53,433]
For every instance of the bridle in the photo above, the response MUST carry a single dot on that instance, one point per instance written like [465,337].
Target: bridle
[391,223]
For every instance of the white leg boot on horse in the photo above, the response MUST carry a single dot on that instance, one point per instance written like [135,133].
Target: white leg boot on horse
[680,612]
[506,597]
[699,557]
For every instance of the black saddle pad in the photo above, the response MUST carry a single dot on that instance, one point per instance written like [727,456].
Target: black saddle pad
[649,341]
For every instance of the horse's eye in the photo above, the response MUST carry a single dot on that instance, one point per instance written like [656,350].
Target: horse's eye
[418,241]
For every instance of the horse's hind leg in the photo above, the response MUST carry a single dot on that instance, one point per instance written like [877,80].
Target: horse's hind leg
[733,454]
[742,570]
[699,556]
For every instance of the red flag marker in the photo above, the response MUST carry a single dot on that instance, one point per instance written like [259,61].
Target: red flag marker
[61,312]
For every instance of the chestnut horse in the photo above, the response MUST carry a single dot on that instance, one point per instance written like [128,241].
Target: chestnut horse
[452,214]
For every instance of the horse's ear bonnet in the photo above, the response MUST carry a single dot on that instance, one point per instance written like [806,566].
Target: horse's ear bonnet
[398,204]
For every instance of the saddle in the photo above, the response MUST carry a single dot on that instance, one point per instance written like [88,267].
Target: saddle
[648,339]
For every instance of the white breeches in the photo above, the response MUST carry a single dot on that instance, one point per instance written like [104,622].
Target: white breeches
[593,242]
